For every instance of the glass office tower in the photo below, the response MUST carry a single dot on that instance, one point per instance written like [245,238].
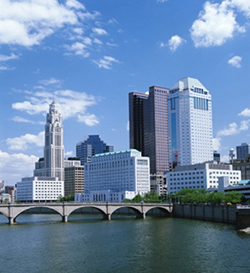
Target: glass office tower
[190,123]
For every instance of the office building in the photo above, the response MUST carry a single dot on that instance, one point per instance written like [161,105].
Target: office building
[201,176]
[243,165]
[74,180]
[189,123]
[148,127]
[136,121]
[39,189]
[115,176]
[243,151]
[91,146]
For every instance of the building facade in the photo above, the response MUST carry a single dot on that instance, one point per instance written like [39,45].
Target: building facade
[123,173]
[73,180]
[200,176]
[189,123]
[148,126]
[243,165]
[91,146]
[136,121]
[39,189]
[52,164]
[243,151]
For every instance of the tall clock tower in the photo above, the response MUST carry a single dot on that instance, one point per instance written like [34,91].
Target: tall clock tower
[54,149]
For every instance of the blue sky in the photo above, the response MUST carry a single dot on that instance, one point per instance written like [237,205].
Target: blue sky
[88,55]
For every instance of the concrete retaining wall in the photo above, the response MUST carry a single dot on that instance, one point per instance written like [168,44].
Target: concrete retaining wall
[223,214]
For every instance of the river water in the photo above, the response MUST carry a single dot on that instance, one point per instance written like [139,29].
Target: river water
[41,243]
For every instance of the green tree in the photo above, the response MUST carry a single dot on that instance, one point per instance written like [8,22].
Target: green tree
[233,197]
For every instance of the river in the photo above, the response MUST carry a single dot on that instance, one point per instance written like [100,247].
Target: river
[41,243]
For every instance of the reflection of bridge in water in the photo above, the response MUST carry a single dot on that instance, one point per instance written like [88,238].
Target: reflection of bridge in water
[12,211]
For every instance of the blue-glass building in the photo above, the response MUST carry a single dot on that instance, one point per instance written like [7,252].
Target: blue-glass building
[91,146]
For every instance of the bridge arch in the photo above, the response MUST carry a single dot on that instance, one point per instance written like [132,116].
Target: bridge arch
[22,210]
[71,210]
[163,210]
[4,213]
[134,209]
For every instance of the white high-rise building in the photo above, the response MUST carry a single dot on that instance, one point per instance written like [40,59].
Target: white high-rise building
[189,123]
[115,176]
[54,149]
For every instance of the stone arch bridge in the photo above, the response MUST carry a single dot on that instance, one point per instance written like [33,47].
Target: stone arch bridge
[12,211]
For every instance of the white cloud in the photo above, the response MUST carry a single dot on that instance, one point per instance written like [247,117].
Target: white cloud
[50,81]
[161,1]
[75,4]
[175,42]
[235,61]
[68,154]
[88,119]
[216,144]
[27,23]
[216,24]
[242,6]
[22,143]
[4,58]
[15,166]
[78,49]
[100,31]
[97,41]
[106,62]
[245,113]
[234,129]
[3,68]
[71,104]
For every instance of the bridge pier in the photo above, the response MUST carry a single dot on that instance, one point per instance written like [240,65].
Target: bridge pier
[11,220]
[107,216]
[65,218]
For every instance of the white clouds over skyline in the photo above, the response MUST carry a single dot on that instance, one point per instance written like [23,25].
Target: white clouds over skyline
[71,104]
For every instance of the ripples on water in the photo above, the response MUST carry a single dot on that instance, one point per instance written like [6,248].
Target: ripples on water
[41,243]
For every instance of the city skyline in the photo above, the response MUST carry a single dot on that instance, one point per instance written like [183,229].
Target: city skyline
[88,56]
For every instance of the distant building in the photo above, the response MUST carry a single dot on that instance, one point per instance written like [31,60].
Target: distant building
[189,123]
[115,176]
[91,146]
[242,186]
[243,151]
[200,176]
[216,156]
[1,186]
[243,165]
[73,180]
[34,189]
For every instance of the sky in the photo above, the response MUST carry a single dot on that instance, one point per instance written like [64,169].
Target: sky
[88,55]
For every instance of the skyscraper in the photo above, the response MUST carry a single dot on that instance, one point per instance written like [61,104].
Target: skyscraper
[54,149]
[136,121]
[91,146]
[190,123]
[243,150]
[148,124]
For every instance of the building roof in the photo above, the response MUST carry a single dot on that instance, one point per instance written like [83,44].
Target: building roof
[118,152]
[244,182]
[187,83]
